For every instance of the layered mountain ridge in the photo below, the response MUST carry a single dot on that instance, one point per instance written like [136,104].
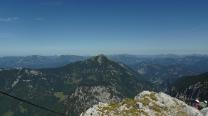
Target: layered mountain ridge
[161,70]
[70,89]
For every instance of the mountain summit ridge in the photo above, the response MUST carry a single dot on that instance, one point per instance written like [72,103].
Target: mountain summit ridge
[101,79]
[72,88]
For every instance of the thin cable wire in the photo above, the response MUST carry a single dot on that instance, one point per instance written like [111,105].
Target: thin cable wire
[30,103]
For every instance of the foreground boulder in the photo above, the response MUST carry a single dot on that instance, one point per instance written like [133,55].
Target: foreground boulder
[145,104]
[204,112]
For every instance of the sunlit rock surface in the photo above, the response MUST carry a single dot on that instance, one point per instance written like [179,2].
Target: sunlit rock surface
[145,104]
[204,112]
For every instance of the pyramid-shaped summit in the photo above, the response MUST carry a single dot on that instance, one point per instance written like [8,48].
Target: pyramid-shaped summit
[99,79]
[100,59]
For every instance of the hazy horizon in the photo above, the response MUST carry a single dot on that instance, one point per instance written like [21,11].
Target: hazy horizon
[91,55]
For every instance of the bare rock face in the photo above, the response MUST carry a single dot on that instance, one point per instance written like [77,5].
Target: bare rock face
[85,97]
[204,111]
[145,104]
[190,87]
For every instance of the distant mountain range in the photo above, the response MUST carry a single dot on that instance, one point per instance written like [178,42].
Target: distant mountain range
[36,61]
[164,69]
[161,70]
[70,89]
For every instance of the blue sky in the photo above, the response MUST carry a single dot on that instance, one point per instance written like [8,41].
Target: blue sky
[51,27]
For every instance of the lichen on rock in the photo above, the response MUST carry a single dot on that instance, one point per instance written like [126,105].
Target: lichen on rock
[144,104]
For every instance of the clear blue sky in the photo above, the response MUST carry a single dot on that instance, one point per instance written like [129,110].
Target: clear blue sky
[49,27]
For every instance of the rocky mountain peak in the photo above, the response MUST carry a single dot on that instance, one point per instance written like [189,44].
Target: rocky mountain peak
[100,58]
